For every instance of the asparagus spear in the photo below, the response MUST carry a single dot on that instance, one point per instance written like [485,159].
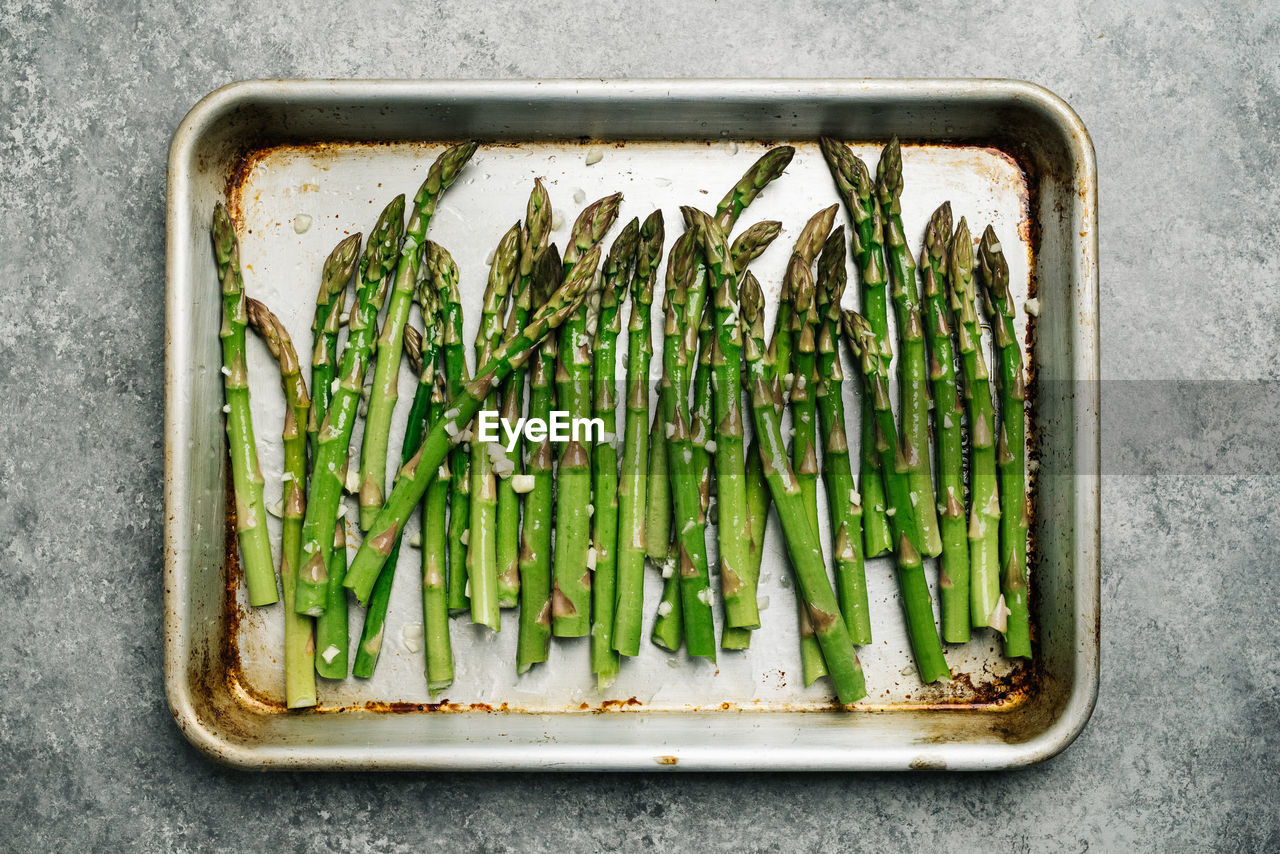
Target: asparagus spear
[802,542]
[438,646]
[843,502]
[619,269]
[482,554]
[657,514]
[1011,448]
[324,497]
[953,565]
[299,642]
[737,581]
[804,460]
[855,186]
[533,242]
[914,377]
[386,372]
[336,275]
[668,627]
[778,362]
[985,606]
[634,482]
[571,580]
[759,175]
[916,601]
[453,355]
[247,483]
[421,469]
[695,585]
[418,422]
[534,641]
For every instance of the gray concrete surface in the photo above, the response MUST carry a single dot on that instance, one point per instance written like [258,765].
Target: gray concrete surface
[1181,99]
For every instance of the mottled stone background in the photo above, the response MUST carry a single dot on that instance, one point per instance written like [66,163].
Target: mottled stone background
[1181,99]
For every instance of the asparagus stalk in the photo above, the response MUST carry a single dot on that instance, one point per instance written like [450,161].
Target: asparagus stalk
[571,584]
[985,606]
[759,175]
[914,377]
[657,515]
[482,545]
[375,617]
[299,642]
[534,641]
[953,565]
[314,592]
[855,186]
[738,583]
[533,242]
[386,372]
[246,476]
[336,275]
[778,363]
[844,505]
[802,542]
[619,269]
[633,485]
[917,604]
[668,627]
[695,583]
[804,460]
[420,471]
[453,356]
[1011,447]
[438,646]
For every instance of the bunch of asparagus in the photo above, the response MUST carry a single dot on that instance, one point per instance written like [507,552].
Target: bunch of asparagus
[563,533]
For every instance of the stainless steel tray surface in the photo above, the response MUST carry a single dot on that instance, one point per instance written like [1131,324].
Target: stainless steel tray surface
[1004,153]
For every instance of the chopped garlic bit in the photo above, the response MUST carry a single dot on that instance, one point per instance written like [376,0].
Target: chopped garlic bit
[591,509]
[668,568]
[557,221]
[411,636]
[226,409]
[763,603]
[579,196]
[416,540]
[1032,306]
[522,483]
[593,557]
[226,372]
[353,480]
[594,156]
[664,608]
[330,653]
[301,223]
[711,446]
[704,596]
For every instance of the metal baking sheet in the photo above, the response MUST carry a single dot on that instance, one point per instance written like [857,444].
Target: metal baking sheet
[1005,153]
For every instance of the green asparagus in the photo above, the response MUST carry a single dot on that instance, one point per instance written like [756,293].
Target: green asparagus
[856,189]
[246,476]
[1011,446]
[619,269]
[571,579]
[420,471]
[386,371]
[634,481]
[953,564]
[482,554]
[299,641]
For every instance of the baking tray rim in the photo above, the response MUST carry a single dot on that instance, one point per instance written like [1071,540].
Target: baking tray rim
[1082,698]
